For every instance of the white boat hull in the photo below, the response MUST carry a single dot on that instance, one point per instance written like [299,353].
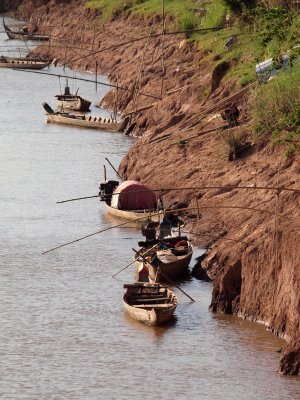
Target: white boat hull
[140,215]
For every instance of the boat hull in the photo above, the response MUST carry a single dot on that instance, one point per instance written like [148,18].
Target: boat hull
[152,316]
[23,64]
[90,122]
[78,104]
[174,270]
[22,35]
[160,309]
[132,215]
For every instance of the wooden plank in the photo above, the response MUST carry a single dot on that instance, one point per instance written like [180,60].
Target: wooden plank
[132,285]
[153,305]
[151,299]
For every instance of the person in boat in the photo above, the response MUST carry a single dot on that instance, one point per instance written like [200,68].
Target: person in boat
[165,227]
[143,274]
[149,230]
[169,221]
[182,243]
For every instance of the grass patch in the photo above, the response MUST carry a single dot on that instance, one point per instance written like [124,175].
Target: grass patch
[215,14]
[276,110]
[183,11]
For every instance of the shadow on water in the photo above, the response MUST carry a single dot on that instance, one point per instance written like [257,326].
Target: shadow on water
[153,331]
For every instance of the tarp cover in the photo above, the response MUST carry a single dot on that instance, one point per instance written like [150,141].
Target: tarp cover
[133,195]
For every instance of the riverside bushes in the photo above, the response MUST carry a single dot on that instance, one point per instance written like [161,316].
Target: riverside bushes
[276,110]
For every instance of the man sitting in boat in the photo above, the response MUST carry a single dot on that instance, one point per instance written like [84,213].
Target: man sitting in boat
[149,230]
[169,221]
[143,274]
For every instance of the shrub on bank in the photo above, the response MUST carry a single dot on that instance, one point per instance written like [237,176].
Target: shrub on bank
[276,110]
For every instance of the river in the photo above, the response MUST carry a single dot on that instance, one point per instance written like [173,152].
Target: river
[63,332]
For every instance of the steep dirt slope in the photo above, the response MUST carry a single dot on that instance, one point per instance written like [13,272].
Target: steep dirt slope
[255,261]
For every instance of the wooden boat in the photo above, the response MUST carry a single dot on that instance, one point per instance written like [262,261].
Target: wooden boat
[129,200]
[152,304]
[23,34]
[22,63]
[82,121]
[68,101]
[170,258]
[140,215]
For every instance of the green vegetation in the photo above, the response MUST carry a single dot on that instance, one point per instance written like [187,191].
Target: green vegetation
[233,144]
[263,29]
[183,11]
[276,110]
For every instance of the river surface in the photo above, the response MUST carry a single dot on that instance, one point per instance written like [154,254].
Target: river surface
[63,331]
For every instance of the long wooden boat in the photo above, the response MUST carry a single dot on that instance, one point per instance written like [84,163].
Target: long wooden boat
[152,304]
[170,258]
[23,34]
[22,63]
[68,101]
[82,121]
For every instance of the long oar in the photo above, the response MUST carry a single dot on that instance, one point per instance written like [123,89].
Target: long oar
[173,283]
[128,265]
[231,187]
[92,234]
[168,279]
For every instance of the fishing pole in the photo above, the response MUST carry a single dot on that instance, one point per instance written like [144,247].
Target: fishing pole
[94,233]
[87,80]
[232,187]
[155,35]
[79,198]
[117,173]
[128,265]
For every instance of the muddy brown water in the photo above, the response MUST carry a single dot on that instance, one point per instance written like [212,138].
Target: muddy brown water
[63,331]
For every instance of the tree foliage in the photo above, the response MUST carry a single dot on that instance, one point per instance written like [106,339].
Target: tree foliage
[238,5]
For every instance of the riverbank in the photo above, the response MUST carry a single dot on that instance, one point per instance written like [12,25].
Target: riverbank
[254,261]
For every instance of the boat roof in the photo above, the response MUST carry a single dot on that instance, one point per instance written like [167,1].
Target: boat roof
[133,195]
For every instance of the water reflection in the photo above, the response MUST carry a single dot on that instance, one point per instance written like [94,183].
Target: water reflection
[153,332]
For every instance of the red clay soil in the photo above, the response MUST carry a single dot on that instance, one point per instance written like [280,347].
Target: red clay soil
[253,234]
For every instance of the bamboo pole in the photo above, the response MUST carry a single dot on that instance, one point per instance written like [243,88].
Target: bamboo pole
[128,265]
[65,61]
[93,234]
[196,189]
[162,49]
[139,110]
[94,36]
[117,173]
[199,215]
[156,35]
[87,80]
[137,86]
[78,198]
[96,74]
